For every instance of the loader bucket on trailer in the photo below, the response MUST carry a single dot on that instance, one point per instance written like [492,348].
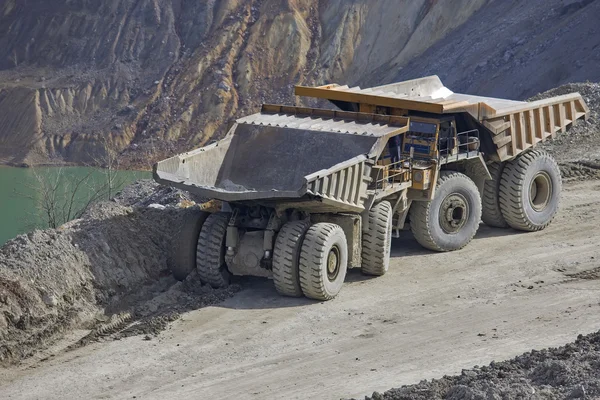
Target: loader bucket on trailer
[271,154]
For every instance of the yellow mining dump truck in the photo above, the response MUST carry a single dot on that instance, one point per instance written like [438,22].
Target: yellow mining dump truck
[308,193]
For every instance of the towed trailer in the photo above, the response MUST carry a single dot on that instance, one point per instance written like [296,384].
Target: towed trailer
[308,193]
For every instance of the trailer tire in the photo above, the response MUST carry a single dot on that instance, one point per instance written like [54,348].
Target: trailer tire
[286,258]
[448,222]
[377,240]
[491,213]
[210,253]
[530,191]
[184,249]
[323,261]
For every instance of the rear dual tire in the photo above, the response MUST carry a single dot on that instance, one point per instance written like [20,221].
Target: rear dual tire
[184,248]
[210,251]
[377,240]
[307,260]
[524,193]
[201,246]
[323,261]
[286,258]
[491,212]
[529,194]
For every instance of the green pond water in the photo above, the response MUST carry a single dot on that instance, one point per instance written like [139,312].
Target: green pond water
[25,191]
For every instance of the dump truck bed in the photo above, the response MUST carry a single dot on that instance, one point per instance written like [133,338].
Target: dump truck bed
[286,153]
[514,125]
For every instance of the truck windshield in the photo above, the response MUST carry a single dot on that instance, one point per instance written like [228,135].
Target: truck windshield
[421,130]
[422,127]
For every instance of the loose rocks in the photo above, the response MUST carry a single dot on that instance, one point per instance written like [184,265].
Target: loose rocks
[568,372]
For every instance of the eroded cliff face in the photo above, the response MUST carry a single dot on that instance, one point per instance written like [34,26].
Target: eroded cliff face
[514,49]
[161,76]
[158,77]
[82,69]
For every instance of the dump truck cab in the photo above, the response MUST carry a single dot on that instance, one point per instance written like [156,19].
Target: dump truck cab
[307,193]
[437,141]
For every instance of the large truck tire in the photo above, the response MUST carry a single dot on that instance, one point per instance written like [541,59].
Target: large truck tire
[210,253]
[491,213]
[530,191]
[323,261]
[184,249]
[286,258]
[377,240]
[450,221]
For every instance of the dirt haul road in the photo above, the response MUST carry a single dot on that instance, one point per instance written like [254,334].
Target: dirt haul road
[432,314]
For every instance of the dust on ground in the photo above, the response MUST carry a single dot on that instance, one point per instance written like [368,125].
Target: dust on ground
[568,372]
[108,272]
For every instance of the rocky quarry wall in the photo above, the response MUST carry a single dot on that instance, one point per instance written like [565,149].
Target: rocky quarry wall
[161,76]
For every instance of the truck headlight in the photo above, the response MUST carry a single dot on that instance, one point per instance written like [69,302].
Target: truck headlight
[418,176]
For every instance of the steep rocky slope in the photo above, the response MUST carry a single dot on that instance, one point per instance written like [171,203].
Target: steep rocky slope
[159,76]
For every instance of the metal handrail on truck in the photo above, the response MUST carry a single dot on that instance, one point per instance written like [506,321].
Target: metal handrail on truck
[389,172]
[465,149]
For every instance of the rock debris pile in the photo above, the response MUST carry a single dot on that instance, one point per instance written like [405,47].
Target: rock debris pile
[568,372]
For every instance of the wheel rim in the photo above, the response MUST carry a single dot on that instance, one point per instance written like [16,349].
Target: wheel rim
[540,191]
[454,213]
[333,263]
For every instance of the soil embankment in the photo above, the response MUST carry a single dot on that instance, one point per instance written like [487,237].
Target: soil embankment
[105,272]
